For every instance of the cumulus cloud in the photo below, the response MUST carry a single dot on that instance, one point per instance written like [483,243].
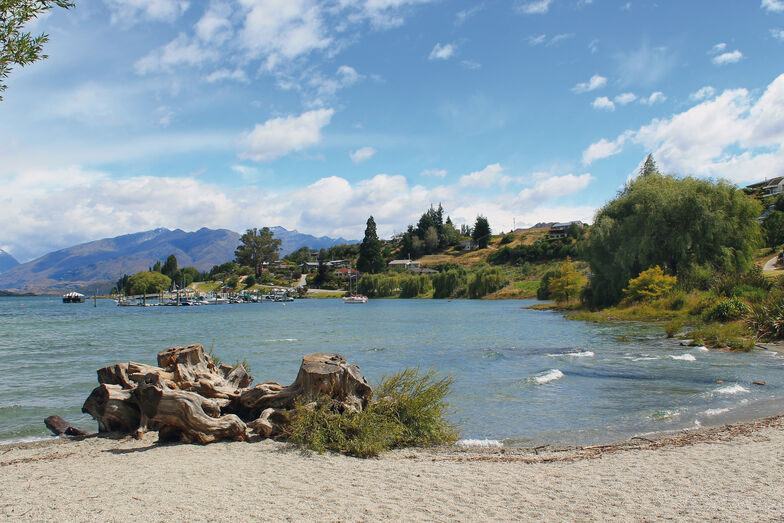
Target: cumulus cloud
[180,51]
[536,7]
[654,98]
[553,187]
[625,98]
[778,34]
[537,39]
[215,25]
[703,93]
[442,52]
[603,103]
[731,135]
[362,155]
[776,6]
[236,75]
[126,11]
[491,175]
[280,136]
[596,82]
[437,173]
[731,57]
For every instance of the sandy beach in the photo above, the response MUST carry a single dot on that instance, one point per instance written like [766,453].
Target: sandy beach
[731,473]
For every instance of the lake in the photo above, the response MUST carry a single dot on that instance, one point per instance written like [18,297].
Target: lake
[521,376]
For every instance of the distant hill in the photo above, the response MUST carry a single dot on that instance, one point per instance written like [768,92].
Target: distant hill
[7,261]
[106,260]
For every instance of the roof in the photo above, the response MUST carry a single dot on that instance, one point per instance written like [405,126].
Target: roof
[565,224]
[399,262]
[774,182]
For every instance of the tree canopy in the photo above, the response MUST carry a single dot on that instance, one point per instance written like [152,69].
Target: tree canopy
[257,247]
[370,259]
[481,233]
[18,47]
[675,223]
[150,282]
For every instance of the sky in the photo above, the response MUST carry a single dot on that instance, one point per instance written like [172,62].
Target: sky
[314,115]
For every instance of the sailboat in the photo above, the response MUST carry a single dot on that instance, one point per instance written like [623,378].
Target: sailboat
[353,298]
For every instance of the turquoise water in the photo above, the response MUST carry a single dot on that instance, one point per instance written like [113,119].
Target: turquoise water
[528,377]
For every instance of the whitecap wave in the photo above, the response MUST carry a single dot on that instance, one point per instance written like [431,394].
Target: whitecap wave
[715,412]
[684,357]
[702,348]
[732,389]
[280,340]
[575,354]
[645,358]
[547,377]
[481,443]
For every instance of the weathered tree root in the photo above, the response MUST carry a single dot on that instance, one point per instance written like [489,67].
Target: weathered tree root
[187,398]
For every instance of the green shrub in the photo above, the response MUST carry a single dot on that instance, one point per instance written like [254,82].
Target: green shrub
[766,319]
[727,309]
[485,281]
[445,284]
[651,283]
[676,302]
[732,335]
[409,412]
[413,285]
[507,238]
[673,327]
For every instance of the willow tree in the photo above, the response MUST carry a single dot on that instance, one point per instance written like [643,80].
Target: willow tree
[675,223]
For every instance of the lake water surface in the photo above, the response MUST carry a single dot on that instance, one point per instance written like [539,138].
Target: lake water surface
[526,377]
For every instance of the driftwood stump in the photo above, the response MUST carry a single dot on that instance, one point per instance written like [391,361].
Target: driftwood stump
[187,398]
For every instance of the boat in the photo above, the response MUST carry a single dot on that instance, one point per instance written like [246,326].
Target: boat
[355,298]
[73,297]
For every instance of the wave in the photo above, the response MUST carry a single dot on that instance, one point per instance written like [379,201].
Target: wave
[547,377]
[26,439]
[702,348]
[715,412]
[732,389]
[481,443]
[660,415]
[576,354]
[280,340]
[684,357]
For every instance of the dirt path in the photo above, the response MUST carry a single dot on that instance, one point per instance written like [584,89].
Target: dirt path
[770,265]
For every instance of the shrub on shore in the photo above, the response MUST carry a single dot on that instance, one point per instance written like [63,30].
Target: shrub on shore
[409,412]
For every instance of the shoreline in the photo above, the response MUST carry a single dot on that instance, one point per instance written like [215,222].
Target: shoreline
[729,472]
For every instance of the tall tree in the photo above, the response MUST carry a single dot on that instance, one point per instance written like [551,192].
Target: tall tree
[170,266]
[675,223]
[482,232]
[18,47]
[370,259]
[257,247]
[431,239]
[649,167]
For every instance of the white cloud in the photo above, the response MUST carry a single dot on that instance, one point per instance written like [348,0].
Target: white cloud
[470,64]
[537,39]
[237,75]
[778,34]
[179,51]
[280,136]
[537,7]
[645,66]
[718,48]
[602,149]
[603,103]
[553,187]
[463,16]
[442,52]
[362,155]
[126,11]
[437,173]
[491,175]
[654,98]
[731,136]
[732,57]
[776,6]
[703,93]
[596,82]
[625,98]
[215,25]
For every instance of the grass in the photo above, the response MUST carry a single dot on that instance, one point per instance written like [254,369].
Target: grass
[325,295]
[734,336]
[409,412]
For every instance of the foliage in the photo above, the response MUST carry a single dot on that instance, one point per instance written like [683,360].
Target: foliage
[378,285]
[651,283]
[431,240]
[370,259]
[250,280]
[233,281]
[766,319]
[257,247]
[430,234]
[773,229]
[410,412]
[300,256]
[731,335]
[482,232]
[675,223]
[485,281]
[727,309]
[170,267]
[151,282]
[673,327]
[543,292]
[540,251]
[649,166]
[413,285]
[506,238]
[567,285]
[17,46]
[446,283]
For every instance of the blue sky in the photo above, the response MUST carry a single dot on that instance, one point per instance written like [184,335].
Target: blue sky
[316,114]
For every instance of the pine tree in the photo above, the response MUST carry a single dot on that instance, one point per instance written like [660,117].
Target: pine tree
[482,232]
[370,259]
[649,167]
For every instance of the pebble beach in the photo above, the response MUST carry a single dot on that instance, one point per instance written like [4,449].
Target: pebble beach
[729,473]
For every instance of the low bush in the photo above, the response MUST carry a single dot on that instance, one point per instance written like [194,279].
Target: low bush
[727,309]
[766,319]
[409,412]
[651,283]
[732,335]
[673,327]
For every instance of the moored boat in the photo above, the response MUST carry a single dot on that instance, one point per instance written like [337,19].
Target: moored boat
[355,298]
[73,297]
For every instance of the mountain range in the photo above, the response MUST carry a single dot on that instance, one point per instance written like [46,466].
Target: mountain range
[7,261]
[98,264]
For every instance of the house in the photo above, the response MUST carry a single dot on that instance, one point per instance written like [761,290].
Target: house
[770,187]
[346,273]
[339,264]
[309,267]
[404,265]
[561,230]
[468,245]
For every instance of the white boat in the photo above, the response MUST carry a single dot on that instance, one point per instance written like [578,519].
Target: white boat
[355,298]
